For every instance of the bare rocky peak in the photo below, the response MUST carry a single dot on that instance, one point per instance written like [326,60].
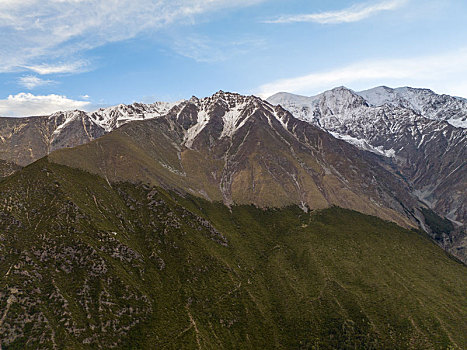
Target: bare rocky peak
[335,102]
[338,100]
[223,114]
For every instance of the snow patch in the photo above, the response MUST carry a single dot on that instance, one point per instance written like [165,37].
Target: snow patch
[231,120]
[69,117]
[114,117]
[458,123]
[191,133]
[364,145]
[424,101]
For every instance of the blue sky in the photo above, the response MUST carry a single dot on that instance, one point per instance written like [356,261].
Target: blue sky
[66,54]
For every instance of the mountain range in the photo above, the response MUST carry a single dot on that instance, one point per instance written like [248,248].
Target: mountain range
[418,139]
[24,140]
[242,150]
[186,224]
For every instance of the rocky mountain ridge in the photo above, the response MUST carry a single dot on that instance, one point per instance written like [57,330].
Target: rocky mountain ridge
[24,140]
[425,101]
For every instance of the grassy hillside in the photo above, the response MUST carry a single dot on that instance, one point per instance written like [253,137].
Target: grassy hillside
[85,263]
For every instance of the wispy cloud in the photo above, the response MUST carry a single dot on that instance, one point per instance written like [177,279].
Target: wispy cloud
[207,50]
[27,104]
[352,14]
[36,32]
[31,81]
[438,72]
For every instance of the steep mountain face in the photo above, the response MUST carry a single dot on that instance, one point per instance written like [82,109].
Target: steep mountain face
[24,140]
[242,150]
[415,134]
[87,263]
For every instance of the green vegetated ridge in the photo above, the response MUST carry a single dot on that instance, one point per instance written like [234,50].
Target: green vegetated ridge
[85,263]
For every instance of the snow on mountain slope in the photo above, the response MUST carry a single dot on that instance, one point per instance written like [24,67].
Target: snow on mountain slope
[113,117]
[426,102]
[227,111]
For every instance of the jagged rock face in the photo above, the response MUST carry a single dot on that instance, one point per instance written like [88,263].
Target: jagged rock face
[24,140]
[242,150]
[72,129]
[427,150]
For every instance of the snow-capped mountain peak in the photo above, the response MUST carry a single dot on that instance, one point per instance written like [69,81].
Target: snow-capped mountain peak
[424,101]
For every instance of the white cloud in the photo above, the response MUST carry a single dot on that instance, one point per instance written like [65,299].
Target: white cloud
[34,32]
[352,14]
[31,81]
[439,72]
[27,104]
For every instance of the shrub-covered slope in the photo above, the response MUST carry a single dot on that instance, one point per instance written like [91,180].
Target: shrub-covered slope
[7,168]
[85,263]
